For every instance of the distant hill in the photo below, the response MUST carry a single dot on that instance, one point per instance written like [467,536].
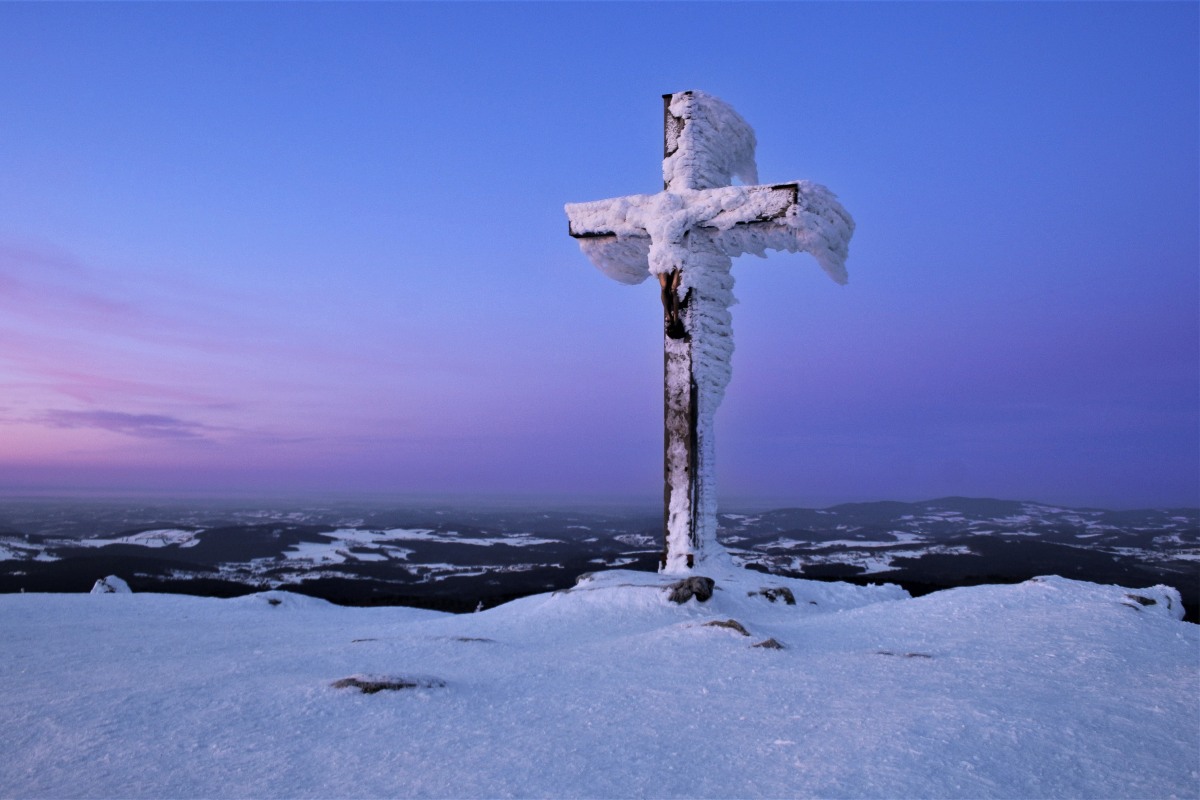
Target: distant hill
[456,559]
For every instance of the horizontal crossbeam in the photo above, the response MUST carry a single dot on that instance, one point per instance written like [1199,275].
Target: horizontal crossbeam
[720,208]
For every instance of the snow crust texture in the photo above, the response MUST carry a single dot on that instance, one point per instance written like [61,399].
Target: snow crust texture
[1050,688]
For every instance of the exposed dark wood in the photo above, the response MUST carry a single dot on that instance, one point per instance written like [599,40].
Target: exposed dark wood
[589,234]
[674,307]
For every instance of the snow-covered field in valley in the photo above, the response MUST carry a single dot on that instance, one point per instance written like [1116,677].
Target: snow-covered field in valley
[1050,688]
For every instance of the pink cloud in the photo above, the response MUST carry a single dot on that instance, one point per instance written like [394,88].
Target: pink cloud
[194,372]
[52,297]
[50,291]
[147,426]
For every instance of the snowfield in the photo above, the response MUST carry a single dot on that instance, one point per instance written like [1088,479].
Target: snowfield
[1050,688]
[156,539]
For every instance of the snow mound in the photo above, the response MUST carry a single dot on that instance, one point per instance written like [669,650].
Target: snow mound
[1156,600]
[111,585]
[736,589]
[281,600]
[1049,688]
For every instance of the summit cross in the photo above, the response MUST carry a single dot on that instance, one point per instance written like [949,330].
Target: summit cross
[686,236]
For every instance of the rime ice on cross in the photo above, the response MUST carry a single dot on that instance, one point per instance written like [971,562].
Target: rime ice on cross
[687,236]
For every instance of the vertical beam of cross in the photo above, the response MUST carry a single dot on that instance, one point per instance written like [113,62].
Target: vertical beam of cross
[681,461]
[686,236]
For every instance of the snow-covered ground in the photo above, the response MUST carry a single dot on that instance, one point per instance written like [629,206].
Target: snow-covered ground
[155,539]
[344,544]
[863,556]
[1050,688]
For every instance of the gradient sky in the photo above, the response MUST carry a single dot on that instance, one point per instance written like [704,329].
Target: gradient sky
[321,247]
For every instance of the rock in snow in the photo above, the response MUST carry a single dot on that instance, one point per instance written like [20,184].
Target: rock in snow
[696,586]
[1049,688]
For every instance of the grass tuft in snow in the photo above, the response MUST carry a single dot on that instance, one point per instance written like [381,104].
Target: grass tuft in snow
[769,644]
[732,624]
[774,593]
[371,684]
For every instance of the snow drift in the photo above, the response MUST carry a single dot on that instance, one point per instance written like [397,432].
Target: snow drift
[1050,688]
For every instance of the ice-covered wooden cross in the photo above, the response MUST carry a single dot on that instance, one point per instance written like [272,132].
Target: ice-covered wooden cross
[687,236]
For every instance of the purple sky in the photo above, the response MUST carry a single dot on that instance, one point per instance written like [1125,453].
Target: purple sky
[321,248]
